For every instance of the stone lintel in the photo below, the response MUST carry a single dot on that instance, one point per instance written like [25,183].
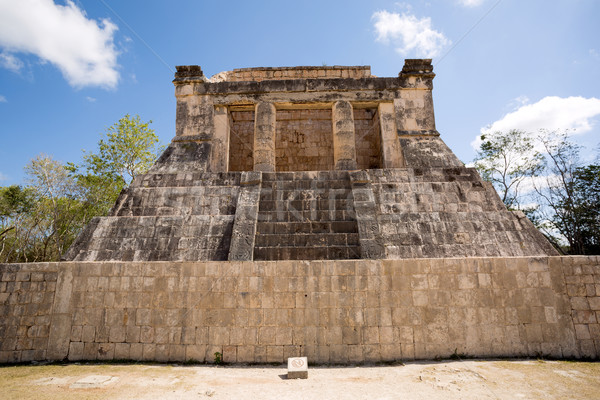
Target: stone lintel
[314,72]
[298,85]
[344,141]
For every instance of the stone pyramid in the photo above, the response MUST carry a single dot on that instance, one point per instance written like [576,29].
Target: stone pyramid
[307,163]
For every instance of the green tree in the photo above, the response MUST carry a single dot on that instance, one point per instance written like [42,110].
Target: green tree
[565,194]
[16,203]
[587,191]
[128,148]
[507,160]
[56,208]
[40,222]
[569,194]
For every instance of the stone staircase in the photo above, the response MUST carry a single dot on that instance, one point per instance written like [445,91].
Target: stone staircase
[306,216]
[176,212]
[165,217]
[448,212]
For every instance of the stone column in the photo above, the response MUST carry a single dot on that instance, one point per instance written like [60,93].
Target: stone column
[391,151]
[219,161]
[344,142]
[264,137]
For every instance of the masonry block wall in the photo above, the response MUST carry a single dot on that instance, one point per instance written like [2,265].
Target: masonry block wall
[241,139]
[324,132]
[343,311]
[368,139]
[304,140]
[300,96]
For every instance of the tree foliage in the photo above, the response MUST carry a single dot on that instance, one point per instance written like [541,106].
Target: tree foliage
[40,221]
[543,176]
[128,148]
[507,160]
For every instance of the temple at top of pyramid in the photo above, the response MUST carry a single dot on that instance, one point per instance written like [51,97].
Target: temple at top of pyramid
[307,163]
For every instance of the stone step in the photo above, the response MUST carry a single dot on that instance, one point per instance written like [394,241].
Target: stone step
[460,216]
[305,205]
[456,174]
[307,216]
[306,176]
[271,228]
[306,253]
[305,194]
[187,179]
[307,240]
[178,201]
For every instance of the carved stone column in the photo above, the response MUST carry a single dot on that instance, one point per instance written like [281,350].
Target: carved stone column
[391,151]
[344,142]
[219,161]
[264,137]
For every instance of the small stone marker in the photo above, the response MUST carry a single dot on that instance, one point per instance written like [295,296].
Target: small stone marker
[297,368]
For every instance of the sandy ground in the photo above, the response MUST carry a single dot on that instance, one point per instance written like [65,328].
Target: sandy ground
[466,379]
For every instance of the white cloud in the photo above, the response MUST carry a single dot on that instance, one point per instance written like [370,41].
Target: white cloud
[409,34]
[3,177]
[83,49]
[10,62]
[470,3]
[90,99]
[3,99]
[530,183]
[573,114]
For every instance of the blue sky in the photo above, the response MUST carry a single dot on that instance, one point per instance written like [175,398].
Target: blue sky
[70,69]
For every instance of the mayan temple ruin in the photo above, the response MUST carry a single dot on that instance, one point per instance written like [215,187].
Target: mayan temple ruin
[304,212]
[316,163]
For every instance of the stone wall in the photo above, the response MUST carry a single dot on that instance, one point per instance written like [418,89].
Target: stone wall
[276,73]
[304,140]
[583,288]
[241,141]
[368,138]
[397,213]
[330,311]
[26,308]
[202,105]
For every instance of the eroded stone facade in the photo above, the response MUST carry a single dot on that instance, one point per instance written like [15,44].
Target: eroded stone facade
[307,163]
[307,211]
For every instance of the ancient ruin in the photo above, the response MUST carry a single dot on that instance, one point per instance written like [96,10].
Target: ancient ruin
[307,163]
[304,212]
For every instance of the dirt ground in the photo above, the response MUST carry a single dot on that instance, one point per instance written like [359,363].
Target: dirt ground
[465,379]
